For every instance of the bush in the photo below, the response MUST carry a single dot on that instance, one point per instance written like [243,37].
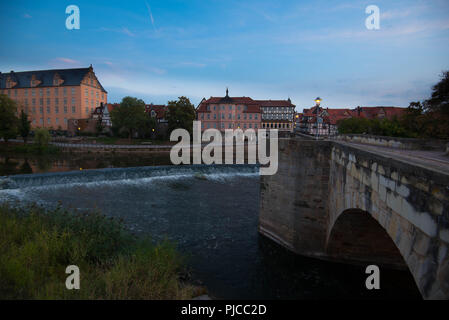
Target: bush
[42,138]
[37,245]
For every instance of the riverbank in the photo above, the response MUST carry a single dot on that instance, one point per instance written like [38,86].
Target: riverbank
[36,246]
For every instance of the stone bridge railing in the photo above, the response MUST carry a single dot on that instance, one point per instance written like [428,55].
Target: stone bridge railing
[326,195]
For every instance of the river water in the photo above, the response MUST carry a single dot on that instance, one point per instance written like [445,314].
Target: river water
[211,213]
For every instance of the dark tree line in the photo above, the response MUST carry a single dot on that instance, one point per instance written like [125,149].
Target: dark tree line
[426,119]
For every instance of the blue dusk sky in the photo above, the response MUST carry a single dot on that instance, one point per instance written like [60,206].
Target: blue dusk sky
[159,50]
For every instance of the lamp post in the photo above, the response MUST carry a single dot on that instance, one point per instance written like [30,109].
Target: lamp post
[318,119]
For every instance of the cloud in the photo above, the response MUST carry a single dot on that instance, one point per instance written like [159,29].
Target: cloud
[122,30]
[27,16]
[191,64]
[151,15]
[67,60]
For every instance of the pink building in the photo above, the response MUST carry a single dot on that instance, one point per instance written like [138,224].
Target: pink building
[229,113]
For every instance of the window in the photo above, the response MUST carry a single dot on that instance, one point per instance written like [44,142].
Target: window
[56,101]
[65,109]
[33,92]
[48,109]
[57,121]
[26,92]
[65,92]
[73,110]
[65,101]
[41,101]
[73,91]
[41,92]
[73,100]
[208,116]
[56,110]
[56,91]
[48,121]
[41,110]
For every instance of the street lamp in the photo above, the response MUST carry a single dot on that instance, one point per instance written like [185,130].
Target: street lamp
[318,119]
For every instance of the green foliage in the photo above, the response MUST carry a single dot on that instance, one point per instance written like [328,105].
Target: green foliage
[181,114]
[37,245]
[42,139]
[429,119]
[8,119]
[24,126]
[129,117]
[439,100]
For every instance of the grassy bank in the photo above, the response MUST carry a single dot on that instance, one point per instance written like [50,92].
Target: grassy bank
[37,245]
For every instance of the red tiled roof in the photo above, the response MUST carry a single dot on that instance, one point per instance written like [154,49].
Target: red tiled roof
[252,105]
[275,103]
[160,110]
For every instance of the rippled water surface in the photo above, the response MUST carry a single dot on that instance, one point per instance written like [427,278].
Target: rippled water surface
[212,215]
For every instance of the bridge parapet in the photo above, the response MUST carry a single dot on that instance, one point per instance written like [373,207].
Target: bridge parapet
[327,194]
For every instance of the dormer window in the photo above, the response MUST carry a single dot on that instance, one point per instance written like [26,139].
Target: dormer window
[10,83]
[57,80]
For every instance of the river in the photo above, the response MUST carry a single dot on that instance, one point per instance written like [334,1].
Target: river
[211,213]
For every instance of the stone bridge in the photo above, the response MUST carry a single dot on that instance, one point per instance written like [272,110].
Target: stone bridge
[358,204]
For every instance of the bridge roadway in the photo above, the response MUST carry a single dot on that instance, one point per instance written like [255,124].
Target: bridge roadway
[436,160]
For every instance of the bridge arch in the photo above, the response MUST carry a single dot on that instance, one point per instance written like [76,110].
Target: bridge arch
[322,185]
[357,237]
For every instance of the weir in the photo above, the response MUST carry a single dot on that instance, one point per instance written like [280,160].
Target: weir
[113,174]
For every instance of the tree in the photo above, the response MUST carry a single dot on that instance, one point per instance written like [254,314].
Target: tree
[42,138]
[8,119]
[180,114]
[129,116]
[146,126]
[439,100]
[24,126]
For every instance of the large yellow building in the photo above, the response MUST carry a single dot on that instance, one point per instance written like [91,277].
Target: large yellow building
[52,97]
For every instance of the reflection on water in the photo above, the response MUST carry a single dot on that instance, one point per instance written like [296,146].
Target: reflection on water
[26,164]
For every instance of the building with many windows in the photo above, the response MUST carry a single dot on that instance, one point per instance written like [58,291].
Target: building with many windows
[229,113]
[277,114]
[318,121]
[52,97]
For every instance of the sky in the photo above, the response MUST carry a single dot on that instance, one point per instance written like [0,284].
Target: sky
[160,50]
